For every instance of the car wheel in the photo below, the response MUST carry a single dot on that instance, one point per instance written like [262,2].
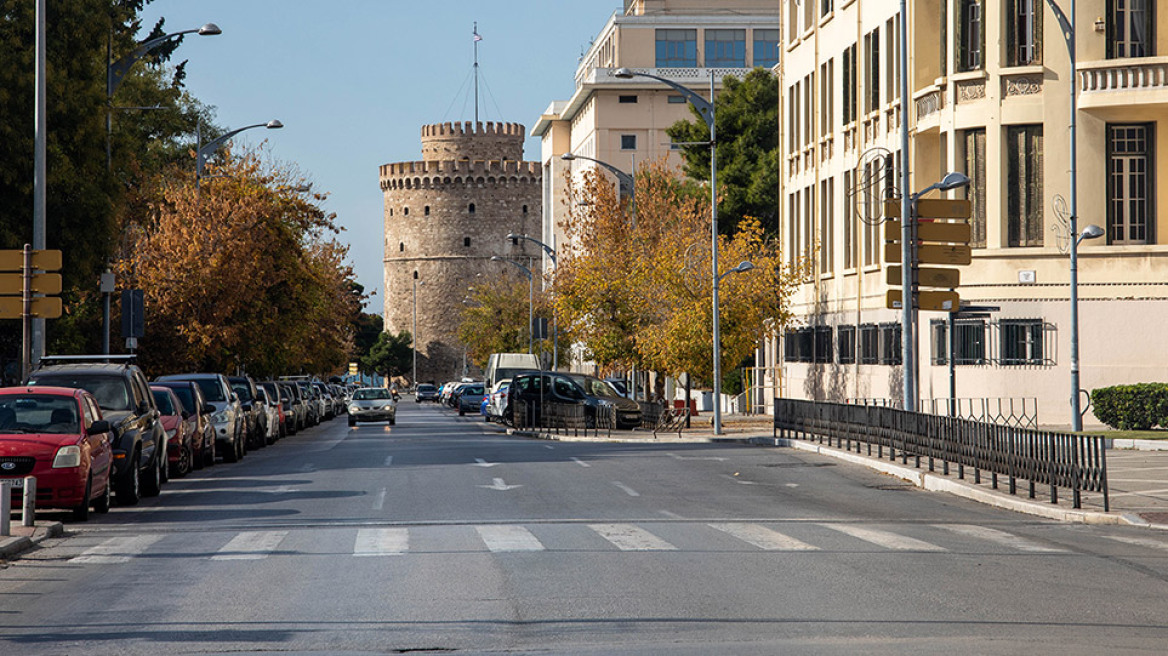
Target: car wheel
[129,490]
[152,484]
[231,453]
[352,422]
[186,459]
[209,453]
[240,447]
[81,510]
[461,412]
[198,458]
[393,420]
[101,505]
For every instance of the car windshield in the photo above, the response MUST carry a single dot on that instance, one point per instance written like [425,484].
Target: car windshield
[597,387]
[426,388]
[185,395]
[162,399]
[242,390]
[110,391]
[37,413]
[474,390]
[371,393]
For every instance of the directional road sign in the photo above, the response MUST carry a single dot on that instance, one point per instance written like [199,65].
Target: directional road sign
[928,277]
[11,260]
[958,233]
[47,307]
[955,255]
[41,283]
[926,300]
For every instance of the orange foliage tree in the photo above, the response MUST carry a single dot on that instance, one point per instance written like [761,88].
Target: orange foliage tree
[634,284]
[243,274]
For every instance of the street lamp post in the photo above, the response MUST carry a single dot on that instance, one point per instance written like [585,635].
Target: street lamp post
[116,72]
[530,296]
[204,151]
[705,108]
[1090,232]
[627,185]
[414,336]
[551,253]
[952,180]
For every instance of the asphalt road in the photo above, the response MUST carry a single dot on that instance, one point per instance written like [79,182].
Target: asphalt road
[441,534]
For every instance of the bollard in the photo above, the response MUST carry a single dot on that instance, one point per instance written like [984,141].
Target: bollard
[28,514]
[5,508]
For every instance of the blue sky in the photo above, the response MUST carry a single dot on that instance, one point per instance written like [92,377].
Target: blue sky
[353,81]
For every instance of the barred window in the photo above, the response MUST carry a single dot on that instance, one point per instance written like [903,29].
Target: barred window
[1021,342]
[890,344]
[847,344]
[969,346]
[869,344]
[823,350]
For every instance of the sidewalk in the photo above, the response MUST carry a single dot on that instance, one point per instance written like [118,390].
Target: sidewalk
[1137,479]
[25,537]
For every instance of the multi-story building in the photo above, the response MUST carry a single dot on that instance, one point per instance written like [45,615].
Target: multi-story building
[623,121]
[991,94]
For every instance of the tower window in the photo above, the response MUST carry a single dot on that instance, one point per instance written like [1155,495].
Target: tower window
[471,208]
[426,210]
[401,247]
[406,211]
[466,241]
[525,209]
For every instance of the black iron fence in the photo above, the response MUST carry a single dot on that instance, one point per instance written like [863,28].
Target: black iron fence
[573,419]
[1020,412]
[1075,462]
[662,418]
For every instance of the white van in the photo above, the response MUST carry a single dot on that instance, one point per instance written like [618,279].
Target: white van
[503,366]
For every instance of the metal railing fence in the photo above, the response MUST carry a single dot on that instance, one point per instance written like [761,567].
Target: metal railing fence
[662,418]
[1019,412]
[1075,462]
[562,418]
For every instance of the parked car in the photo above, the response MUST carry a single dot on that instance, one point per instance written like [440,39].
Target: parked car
[425,392]
[298,411]
[271,405]
[470,397]
[497,402]
[531,390]
[122,393]
[255,416]
[372,404]
[228,416]
[59,436]
[504,366]
[600,393]
[278,399]
[180,426]
[191,396]
[311,401]
[328,403]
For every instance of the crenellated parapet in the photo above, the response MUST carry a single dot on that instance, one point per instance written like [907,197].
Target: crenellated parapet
[472,141]
[469,129]
[432,174]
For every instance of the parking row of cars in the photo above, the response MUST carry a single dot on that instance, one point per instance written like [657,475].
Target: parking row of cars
[600,398]
[91,427]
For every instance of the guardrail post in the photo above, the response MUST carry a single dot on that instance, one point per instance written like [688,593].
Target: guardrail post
[6,509]
[28,513]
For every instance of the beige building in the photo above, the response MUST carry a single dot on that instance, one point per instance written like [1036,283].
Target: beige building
[990,97]
[623,121]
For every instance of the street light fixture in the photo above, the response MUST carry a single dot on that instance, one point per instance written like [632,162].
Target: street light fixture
[205,151]
[530,296]
[705,109]
[551,253]
[908,334]
[627,184]
[1090,232]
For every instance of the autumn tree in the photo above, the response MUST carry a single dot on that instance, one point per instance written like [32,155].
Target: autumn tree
[494,316]
[243,273]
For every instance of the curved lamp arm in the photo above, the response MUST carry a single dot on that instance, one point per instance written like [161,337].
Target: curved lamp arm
[210,147]
[117,71]
[628,187]
[496,258]
[547,249]
[704,107]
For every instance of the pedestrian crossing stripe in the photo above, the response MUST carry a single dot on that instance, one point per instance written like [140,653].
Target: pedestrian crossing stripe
[625,537]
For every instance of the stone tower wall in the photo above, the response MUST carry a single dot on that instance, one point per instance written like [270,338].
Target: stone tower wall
[472,141]
[430,230]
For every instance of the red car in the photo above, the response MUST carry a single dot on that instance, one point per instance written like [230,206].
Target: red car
[180,426]
[57,435]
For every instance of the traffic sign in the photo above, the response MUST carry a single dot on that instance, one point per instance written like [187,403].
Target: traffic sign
[926,300]
[958,233]
[931,208]
[953,255]
[41,283]
[46,307]
[928,277]
[11,260]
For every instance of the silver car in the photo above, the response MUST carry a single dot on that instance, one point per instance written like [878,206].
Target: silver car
[372,404]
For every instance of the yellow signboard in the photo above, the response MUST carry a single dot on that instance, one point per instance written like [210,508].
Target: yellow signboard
[928,277]
[48,307]
[931,208]
[926,300]
[955,255]
[41,283]
[958,233]
[11,260]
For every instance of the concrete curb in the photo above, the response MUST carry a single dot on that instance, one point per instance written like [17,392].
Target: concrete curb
[18,544]
[1137,445]
[936,483]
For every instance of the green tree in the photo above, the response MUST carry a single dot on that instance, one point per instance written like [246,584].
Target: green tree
[494,319]
[367,329]
[748,150]
[391,356]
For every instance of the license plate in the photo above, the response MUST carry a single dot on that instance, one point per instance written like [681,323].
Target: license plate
[16,483]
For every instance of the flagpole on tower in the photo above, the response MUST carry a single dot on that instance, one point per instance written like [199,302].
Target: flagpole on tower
[477,38]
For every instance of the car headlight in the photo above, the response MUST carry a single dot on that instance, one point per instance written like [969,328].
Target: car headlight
[67,456]
[220,417]
[354,408]
[387,407]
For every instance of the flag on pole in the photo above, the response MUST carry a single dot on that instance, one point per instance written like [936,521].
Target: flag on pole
[477,37]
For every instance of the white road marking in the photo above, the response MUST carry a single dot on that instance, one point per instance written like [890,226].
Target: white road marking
[1140,542]
[884,538]
[253,545]
[714,458]
[382,542]
[671,515]
[308,467]
[999,537]
[738,480]
[763,538]
[580,462]
[388,461]
[116,550]
[791,485]
[627,490]
[500,486]
[505,538]
[627,537]
[379,502]
[483,463]
[284,489]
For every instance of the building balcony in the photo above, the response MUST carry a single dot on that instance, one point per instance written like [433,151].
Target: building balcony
[928,103]
[684,76]
[1117,86]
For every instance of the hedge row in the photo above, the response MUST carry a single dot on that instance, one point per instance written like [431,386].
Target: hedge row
[1132,407]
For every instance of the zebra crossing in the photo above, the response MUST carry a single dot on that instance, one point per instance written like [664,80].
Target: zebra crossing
[647,537]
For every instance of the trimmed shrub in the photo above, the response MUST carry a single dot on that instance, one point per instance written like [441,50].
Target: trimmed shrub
[1132,407]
